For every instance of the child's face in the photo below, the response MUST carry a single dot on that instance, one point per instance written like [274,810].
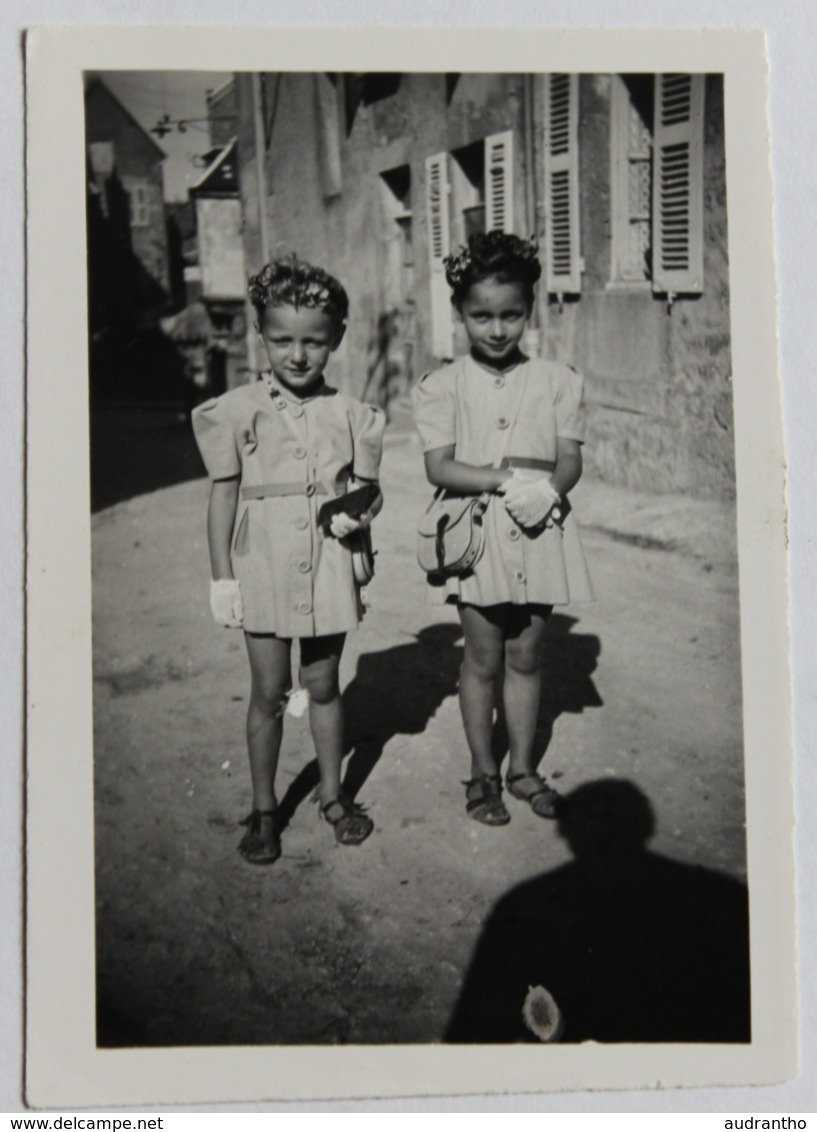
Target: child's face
[494,315]
[298,342]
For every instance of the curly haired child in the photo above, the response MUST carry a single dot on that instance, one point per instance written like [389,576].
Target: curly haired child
[497,421]
[275,450]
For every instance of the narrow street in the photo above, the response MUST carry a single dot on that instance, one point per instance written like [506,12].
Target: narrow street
[370,945]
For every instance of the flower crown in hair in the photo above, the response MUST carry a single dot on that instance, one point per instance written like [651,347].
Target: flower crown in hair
[488,252]
[292,280]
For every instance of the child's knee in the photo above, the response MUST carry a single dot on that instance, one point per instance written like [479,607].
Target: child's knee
[322,685]
[269,699]
[526,660]
[485,662]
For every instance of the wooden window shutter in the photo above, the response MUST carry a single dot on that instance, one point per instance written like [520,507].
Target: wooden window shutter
[561,167]
[677,202]
[499,182]
[439,246]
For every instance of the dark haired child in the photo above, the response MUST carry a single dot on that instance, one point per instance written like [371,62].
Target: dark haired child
[276,450]
[497,421]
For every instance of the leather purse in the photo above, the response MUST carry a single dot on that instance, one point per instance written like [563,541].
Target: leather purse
[451,534]
[355,503]
[360,543]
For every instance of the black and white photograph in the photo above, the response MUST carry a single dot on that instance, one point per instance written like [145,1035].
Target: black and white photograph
[418,693]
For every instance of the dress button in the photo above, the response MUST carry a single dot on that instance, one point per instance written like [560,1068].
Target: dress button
[519,575]
[513,533]
[301,523]
[499,382]
[304,566]
[299,453]
[304,607]
[502,422]
[280,405]
[296,411]
[310,489]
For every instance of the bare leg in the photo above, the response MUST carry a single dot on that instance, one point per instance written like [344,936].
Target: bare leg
[271,679]
[320,660]
[523,682]
[483,629]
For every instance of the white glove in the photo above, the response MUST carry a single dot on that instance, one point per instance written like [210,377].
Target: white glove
[529,499]
[226,604]
[342,525]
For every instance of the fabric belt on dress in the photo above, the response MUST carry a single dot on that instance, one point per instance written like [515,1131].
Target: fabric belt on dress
[526,462]
[265,490]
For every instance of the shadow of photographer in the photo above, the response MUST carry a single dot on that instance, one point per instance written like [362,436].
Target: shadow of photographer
[633,946]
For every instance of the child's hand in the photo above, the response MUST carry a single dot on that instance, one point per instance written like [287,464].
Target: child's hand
[226,604]
[529,500]
[518,478]
[342,525]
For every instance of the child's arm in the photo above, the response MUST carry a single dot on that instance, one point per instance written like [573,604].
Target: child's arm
[443,470]
[220,522]
[568,470]
[373,512]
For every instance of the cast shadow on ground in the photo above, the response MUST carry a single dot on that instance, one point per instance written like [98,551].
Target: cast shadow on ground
[398,690]
[634,947]
[139,449]
[393,692]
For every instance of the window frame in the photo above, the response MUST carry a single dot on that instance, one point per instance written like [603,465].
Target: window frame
[620,217]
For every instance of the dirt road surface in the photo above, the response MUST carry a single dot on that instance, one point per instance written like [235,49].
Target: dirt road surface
[371,944]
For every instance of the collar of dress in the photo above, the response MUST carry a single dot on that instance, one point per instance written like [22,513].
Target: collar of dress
[275,391]
[519,361]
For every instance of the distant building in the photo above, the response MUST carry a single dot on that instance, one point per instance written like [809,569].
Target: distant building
[219,224]
[129,263]
[185,274]
[621,177]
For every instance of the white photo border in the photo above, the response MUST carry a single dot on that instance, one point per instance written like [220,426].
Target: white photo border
[64,1067]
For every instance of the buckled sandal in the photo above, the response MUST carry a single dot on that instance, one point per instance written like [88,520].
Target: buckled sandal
[483,800]
[530,787]
[348,819]
[261,844]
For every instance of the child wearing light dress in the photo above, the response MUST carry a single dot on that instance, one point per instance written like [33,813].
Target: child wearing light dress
[276,450]
[498,421]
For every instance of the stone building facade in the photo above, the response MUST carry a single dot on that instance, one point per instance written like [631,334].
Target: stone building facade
[620,177]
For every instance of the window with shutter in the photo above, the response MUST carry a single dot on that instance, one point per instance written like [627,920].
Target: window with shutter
[561,168]
[499,182]
[438,248]
[678,185]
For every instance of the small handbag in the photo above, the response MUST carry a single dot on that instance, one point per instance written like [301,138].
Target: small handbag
[355,503]
[360,543]
[451,534]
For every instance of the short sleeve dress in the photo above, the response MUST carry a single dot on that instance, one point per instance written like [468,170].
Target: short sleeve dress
[291,456]
[518,414]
